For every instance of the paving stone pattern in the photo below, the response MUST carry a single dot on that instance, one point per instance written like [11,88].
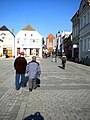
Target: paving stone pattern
[63,94]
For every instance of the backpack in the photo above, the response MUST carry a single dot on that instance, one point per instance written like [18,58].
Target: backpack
[37,81]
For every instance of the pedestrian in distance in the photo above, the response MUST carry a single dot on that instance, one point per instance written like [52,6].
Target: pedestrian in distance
[46,52]
[63,58]
[54,56]
[33,67]
[20,64]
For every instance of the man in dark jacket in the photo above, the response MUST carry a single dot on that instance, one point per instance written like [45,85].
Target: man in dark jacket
[20,64]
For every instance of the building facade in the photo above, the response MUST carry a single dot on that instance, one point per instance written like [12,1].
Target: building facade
[29,41]
[68,46]
[63,39]
[50,42]
[84,35]
[81,32]
[75,35]
[7,42]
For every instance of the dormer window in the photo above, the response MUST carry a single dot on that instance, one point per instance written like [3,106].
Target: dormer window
[3,34]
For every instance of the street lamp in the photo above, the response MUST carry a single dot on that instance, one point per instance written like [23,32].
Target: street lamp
[58,38]
[56,45]
[61,40]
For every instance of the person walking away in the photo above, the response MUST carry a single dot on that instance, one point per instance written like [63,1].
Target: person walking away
[20,64]
[53,56]
[34,70]
[63,60]
[46,51]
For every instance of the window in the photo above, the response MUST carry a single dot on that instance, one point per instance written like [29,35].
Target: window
[88,43]
[81,45]
[87,17]
[84,44]
[25,41]
[84,20]
[75,31]
[18,40]
[3,37]
[81,25]
[32,42]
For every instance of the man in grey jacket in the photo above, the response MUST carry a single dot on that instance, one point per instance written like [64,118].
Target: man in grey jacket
[34,70]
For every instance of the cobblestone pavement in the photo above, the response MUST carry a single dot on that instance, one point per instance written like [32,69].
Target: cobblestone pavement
[63,95]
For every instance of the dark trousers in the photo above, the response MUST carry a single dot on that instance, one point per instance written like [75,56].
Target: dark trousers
[32,83]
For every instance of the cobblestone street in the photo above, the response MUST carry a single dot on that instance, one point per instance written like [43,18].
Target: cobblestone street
[63,94]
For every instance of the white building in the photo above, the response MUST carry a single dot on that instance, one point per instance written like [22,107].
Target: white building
[29,41]
[62,36]
[7,39]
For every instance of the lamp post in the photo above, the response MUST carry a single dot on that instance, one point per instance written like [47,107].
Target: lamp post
[59,40]
[56,45]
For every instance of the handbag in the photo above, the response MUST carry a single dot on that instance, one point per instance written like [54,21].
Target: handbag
[37,81]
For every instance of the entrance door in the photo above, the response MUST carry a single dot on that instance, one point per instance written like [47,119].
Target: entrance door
[18,51]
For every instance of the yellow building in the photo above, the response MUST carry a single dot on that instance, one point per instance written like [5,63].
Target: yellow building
[7,42]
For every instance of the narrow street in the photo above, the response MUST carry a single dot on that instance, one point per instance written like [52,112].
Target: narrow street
[63,94]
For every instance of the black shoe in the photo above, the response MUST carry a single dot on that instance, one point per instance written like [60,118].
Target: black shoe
[17,88]
[30,90]
[38,85]
[35,87]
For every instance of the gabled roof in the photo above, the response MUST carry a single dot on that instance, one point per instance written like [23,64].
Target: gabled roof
[4,28]
[75,15]
[50,36]
[28,27]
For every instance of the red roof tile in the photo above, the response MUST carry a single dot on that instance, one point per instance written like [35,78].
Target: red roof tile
[50,36]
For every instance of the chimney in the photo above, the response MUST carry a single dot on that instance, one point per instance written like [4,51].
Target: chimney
[12,30]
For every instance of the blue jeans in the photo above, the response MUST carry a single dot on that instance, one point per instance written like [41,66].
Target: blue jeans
[19,80]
